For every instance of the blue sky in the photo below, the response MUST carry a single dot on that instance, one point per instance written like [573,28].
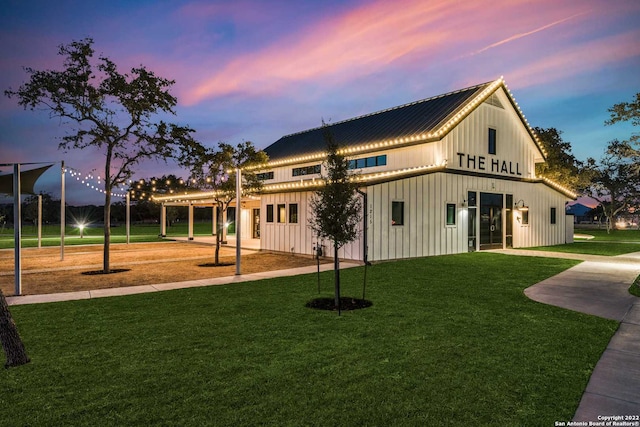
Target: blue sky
[257,70]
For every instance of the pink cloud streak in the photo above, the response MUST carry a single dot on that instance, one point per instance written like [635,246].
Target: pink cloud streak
[367,39]
[353,43]
[589,56]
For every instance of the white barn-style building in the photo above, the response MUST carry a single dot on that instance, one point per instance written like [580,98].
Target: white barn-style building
[443,175]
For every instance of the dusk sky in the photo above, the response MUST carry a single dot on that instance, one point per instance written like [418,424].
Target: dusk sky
[250,70]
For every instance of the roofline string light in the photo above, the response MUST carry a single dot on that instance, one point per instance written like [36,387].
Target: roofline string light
[441,131]
[559,187]
[310,183]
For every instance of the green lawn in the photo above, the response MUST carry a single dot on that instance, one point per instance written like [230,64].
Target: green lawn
[605,248]
[95,235]
[601,235]
[436,348]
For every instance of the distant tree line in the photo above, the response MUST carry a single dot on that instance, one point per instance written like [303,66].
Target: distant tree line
[613,180]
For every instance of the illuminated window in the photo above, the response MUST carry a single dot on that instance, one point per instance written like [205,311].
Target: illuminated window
[492,141]
[307,170]
[293,213]
[269,213]
[451,214]
[397,213]
[282,214]
[368,162]
[264,176]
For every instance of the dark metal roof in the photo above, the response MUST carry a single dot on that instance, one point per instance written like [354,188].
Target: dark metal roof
[407,120]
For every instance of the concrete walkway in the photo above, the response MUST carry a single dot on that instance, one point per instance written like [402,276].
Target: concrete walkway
[599,286]
[131,290]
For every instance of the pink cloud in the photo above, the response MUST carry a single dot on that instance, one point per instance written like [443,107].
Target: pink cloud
[351,44]
[367,39]
[578,59]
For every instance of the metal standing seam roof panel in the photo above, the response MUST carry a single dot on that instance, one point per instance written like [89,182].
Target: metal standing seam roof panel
[406,120]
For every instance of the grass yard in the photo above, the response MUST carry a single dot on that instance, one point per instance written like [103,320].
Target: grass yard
[628,235]
[618,242]
[604,248]
[95,235]
[450,340]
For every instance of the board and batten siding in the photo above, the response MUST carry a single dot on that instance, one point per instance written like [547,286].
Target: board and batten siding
[298,238]
[514,144]
[425,232]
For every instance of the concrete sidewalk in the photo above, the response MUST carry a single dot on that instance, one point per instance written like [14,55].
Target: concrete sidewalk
[131,290]
[599,286]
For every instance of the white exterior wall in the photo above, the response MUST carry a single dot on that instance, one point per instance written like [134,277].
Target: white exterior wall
[469,168]
[514,145]
[425,232]
[297,238]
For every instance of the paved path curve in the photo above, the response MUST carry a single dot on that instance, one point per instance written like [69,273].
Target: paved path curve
[599,286]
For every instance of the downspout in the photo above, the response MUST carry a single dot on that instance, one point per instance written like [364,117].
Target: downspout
[365,247]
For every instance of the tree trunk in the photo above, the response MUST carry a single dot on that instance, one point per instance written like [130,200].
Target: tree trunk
[107,232]
[11,342]
[336,272]
[107,211]
[219,226]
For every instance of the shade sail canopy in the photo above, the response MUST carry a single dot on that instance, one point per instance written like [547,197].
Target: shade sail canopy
[27,181]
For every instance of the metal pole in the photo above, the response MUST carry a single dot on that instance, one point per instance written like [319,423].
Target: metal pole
[39,221]
[238,215]
[17,229]
[128,216]
[163,221]
[62,213]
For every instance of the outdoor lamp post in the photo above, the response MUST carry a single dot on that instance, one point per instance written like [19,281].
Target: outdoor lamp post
[81,228]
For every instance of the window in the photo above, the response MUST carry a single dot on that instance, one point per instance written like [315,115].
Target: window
[472,199]
[368,162]
[492,141]
[264,176]
[307,170]
[269,213]
[553,215]
[525,217]
[293,213]
[451,214]
[397,213]
[281,214]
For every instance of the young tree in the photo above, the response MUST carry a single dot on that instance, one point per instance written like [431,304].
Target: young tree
[561,165]
[336,207]
[11,343]
[107,111]
[615,183]
[215,171]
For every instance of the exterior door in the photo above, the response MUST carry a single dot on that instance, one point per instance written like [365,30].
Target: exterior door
[491,233]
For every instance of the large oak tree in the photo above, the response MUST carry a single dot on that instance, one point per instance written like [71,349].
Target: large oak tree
[112,112]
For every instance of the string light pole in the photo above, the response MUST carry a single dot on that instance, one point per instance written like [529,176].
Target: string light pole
[238,215]
[62,212]
[128,216]
[17,228]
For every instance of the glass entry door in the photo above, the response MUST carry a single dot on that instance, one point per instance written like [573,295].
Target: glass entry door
[491,234]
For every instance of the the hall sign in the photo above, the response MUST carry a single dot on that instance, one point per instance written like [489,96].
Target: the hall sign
[493,165]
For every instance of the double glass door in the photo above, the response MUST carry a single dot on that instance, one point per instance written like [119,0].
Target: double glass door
[491,232]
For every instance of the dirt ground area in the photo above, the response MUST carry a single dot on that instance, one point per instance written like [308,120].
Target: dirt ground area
[147,263]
